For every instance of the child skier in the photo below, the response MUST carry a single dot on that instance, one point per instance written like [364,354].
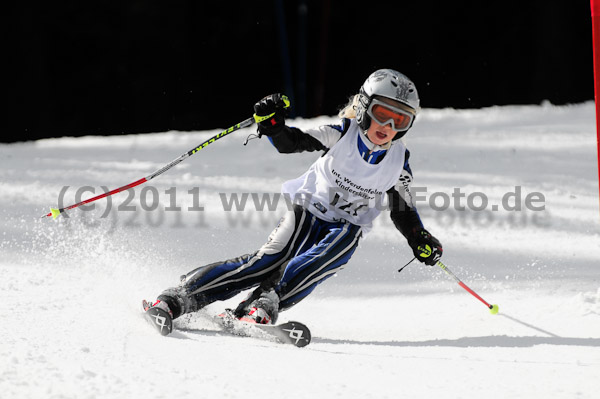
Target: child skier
[362,161]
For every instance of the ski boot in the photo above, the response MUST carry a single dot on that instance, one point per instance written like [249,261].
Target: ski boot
[260,308]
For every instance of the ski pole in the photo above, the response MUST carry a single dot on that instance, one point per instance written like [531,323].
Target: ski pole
[248,122]
[409,262]
[493,308]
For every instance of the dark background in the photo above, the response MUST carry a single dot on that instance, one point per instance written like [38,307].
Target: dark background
[98,67]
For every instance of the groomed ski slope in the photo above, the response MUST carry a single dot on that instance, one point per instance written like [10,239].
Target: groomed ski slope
[71,288]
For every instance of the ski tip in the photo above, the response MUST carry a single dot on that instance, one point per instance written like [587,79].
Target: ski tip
[158,318]
[296,333]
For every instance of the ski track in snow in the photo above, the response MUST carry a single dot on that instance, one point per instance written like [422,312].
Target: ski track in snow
[71,288]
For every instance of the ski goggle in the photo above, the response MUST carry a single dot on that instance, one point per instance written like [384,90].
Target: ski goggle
[384,114]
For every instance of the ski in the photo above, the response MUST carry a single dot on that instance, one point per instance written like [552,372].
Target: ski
[158,318]
[291,332]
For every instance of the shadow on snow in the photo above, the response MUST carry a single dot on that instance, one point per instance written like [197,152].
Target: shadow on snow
[473,342]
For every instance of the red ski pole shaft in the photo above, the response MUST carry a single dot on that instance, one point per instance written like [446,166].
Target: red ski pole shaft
[469,290]
[248,122]
[595,8]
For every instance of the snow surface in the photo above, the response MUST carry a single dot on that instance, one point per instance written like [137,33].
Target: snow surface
[71,288]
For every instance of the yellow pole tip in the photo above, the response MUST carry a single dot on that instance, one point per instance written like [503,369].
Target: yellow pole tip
[55,212]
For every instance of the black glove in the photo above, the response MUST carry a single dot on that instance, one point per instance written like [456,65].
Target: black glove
[426,247]
[275,105]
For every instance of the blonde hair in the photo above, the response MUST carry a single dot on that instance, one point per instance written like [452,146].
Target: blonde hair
[349,110]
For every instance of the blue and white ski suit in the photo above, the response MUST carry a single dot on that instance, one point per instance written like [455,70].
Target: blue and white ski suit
[343,193]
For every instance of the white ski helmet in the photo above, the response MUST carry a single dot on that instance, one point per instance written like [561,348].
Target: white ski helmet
[390,84]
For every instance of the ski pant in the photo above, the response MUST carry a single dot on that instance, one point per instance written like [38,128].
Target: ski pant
[300,253]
